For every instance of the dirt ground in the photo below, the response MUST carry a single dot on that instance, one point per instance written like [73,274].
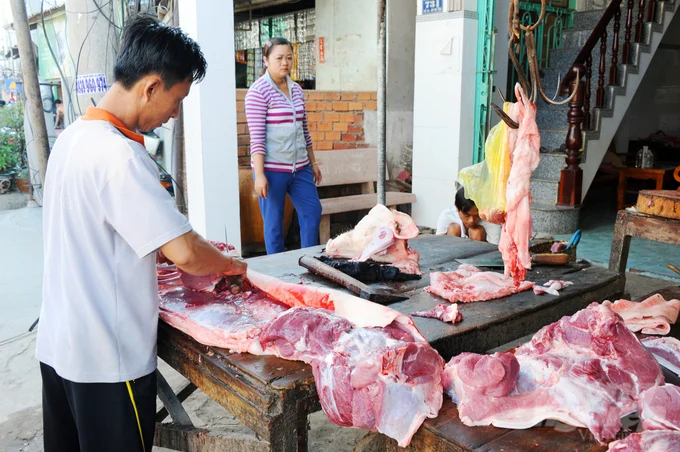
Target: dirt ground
[21,413]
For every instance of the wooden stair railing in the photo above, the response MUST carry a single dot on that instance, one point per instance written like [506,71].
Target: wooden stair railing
[579,115]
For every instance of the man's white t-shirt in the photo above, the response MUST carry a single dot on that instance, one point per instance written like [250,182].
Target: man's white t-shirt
[450,215]
[105,214]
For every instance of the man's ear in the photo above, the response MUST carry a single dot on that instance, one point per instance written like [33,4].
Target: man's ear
[151,86]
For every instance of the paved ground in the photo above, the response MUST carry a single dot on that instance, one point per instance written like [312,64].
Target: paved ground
[20,284]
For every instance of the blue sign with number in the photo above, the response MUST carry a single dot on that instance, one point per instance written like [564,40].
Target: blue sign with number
[433,6]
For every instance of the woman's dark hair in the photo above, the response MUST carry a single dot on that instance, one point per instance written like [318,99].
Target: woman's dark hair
[269,45]
[150,47]
[462,203]
[57,101]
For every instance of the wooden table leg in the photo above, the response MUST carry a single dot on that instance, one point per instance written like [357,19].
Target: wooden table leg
[622,190]
[618,258]
[659,182]
[325,229]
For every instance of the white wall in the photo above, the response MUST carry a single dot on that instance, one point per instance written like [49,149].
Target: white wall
[401,24]
[350,32]
[656,104]
[446,47]
[210,124]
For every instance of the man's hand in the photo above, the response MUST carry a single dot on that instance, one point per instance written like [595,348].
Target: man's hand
[238,268]
[196,256]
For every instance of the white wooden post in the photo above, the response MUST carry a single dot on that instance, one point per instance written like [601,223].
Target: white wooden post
[210,123]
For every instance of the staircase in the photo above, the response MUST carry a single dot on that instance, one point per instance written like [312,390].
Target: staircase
[604,121]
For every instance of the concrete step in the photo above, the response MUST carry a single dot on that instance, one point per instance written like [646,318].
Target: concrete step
[550,167]
[553,140]
[554,220]
[587,20]
[544,191]
[552,117]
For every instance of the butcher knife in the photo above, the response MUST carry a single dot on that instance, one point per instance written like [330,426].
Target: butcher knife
[544,258]
[362,290]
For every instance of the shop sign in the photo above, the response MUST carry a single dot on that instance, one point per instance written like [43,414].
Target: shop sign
[433,6]
[322,50]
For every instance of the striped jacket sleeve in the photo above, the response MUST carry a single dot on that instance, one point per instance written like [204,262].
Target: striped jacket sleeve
[305,126]
[256,115]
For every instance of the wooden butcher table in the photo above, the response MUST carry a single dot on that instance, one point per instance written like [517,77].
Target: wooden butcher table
[447,432]
[273,397]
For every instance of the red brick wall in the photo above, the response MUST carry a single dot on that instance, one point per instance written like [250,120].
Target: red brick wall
[336,120]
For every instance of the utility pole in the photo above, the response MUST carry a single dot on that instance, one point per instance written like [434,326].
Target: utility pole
[382,99]
[178,145]
[31,85]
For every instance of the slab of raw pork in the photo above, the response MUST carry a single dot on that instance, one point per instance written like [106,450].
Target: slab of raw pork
[651,316]
[373,369]
[449,314]
[649,441]
[468,284]
[660,408]
[366,377]
[381,236]
[586,370]
[666,350]
[516,233]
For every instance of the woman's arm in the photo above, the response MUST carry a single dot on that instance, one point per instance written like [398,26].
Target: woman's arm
[256,115]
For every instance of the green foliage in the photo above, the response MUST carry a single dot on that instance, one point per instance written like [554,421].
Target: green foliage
[12,137]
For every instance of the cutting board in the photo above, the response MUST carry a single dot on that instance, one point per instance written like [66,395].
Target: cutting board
[660,203]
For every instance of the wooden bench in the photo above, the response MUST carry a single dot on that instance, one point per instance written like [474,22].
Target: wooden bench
[355,166]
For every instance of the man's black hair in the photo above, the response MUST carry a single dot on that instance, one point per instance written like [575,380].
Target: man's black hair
[150,47]
[57,101]
[462,203]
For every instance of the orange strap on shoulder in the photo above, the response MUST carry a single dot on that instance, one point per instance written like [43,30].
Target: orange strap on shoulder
[94,113]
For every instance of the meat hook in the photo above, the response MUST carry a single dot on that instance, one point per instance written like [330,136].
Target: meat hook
[504,117]
[533,80]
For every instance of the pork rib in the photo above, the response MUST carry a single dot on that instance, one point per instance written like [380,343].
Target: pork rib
[468,284]
[587,370]
[666,350]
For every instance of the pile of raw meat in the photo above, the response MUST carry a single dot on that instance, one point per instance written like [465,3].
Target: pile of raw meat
[587,370]
[373,369]
[381,236]
[468,283]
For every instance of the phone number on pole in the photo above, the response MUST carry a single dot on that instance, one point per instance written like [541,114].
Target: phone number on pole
[91,83]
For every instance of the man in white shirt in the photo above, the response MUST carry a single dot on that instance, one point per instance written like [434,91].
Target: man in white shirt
[105,216]
[462,220]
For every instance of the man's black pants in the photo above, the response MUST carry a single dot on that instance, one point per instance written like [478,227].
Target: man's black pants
[101,417]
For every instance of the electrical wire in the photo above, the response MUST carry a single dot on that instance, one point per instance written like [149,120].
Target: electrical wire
[49,45]
[101,11]
[55,5]
[78,60]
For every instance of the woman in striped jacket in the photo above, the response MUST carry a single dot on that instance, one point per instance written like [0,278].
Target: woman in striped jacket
[281,149]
